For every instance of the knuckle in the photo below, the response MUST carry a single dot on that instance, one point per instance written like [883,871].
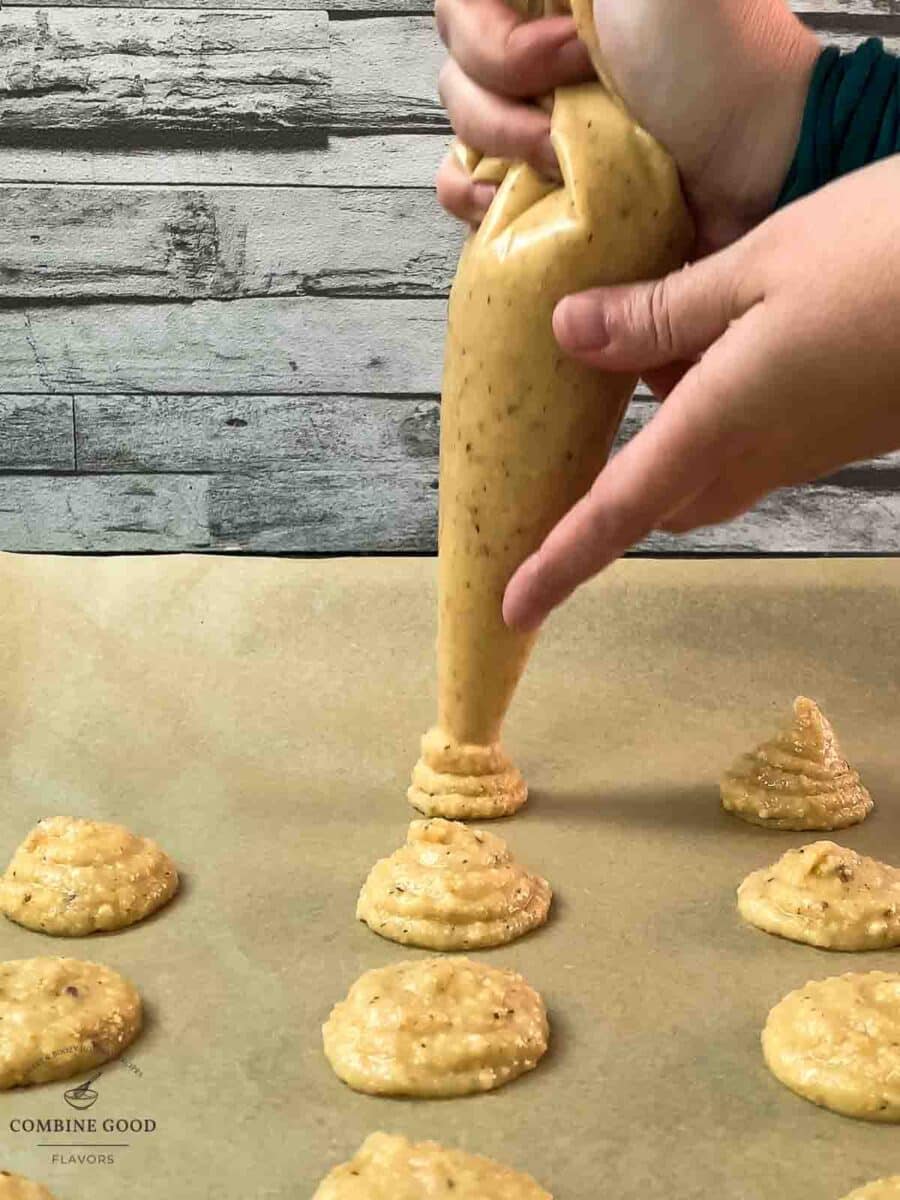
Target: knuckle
[659,315]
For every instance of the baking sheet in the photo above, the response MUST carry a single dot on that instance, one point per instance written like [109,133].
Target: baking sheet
[259,717]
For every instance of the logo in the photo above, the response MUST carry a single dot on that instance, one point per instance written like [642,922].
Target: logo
[84,1096]
[82,1138]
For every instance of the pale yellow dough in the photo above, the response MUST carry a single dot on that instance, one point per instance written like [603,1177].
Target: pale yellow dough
[798,780]
[436,1027]
[525,429]
[17,1187]
[452,888]
[72,877]
[465,782]
[60,1017]
[827,896]
[881,1189]
[837,1042]
[391,1168]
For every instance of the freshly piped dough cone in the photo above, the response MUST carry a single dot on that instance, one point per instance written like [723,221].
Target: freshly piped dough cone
[881,1189]
[827,896]
[391,1168]
[17,1187]
[797,780]
[452,888]
[836,1042]
[525,429]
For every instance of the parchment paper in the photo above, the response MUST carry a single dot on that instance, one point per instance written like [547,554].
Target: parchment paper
[260,717]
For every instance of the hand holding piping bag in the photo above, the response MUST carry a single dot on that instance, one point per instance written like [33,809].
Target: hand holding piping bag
[777,354]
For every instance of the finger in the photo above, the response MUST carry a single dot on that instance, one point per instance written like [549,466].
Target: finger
[496,126]
[506,53]
[721,501]
[680,452]
[460,195]
[650,325]
[731,494]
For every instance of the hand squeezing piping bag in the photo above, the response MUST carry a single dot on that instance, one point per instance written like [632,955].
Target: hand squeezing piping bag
[524,429]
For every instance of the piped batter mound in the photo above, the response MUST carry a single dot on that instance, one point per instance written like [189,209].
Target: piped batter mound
[436,1027]
[60,1017]
[465,782]
[881,1189]
[17,1187]
[391,1168]
[827,896]
[798,780]
[836,1042]
[452,888]
[72,877]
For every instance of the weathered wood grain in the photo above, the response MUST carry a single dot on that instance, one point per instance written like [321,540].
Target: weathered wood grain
[288,346]
[367,511]
[254,433]
[385,71]
[36,433]
[91,515]
[845,7]
[299,511]
[337,6]
[136,243]
[162,77]
[378,160]
[384,75]
[134,432]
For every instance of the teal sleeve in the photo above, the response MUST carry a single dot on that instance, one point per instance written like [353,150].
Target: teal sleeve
[852,117]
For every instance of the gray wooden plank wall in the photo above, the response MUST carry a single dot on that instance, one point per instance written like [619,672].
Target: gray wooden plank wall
[223,276]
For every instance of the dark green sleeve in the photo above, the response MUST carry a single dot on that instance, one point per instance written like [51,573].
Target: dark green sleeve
[852,117]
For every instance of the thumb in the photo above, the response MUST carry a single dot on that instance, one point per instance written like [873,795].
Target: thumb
[642,326]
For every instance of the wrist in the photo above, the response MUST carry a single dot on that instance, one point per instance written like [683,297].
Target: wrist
[740,182]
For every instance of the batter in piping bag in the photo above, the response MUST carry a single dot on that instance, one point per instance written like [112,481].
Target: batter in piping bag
[524,429]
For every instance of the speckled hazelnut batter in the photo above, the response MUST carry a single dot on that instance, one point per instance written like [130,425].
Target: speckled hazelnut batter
[61,1016]
[452,888]
[17,1187]
[436,1027]
[525,429]
[827,896]
[391,1168]
[836,1042]
[797,780]
[72,877]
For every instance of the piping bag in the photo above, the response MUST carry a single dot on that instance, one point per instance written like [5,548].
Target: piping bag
[524,429]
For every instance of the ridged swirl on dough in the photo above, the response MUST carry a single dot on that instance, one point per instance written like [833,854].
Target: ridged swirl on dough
[60,1017]
[836,1042]
[392,1168]
[452,888]
[798,780]
[825,895]
[464,782]
[436,1027]
[71,877]
[17,1187]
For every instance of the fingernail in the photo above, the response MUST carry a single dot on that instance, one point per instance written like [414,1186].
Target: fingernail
[562,30]
[578,323]
[482,196]
[571,60]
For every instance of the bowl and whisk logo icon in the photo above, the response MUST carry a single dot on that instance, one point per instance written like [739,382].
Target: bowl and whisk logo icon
[84,1095]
